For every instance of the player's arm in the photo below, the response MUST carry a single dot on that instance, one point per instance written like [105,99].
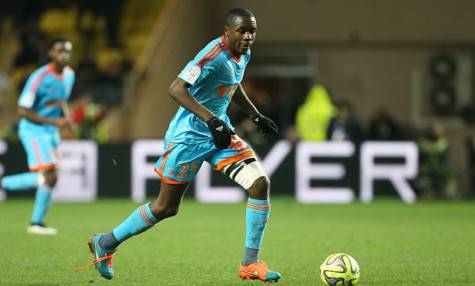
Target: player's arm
[34,117]
[69,130]
[265,124]
[219,130]
[241,99]
[179,92]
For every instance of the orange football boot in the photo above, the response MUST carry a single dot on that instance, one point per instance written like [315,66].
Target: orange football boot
[258,270]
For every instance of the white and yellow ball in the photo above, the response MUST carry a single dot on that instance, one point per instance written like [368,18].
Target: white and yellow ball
[340,269]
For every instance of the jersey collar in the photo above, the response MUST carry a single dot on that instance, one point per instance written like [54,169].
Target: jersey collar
[54,72]
[229,50]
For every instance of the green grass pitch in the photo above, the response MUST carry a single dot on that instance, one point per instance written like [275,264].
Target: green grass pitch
[395,244]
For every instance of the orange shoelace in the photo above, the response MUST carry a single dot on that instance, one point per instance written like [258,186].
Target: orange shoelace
[94,262]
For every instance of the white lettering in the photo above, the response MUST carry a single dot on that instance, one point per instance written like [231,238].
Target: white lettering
[206,193]
[141,169]
[305,171]
[77,178]
[398,174]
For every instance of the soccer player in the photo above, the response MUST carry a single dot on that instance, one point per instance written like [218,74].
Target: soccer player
[42,108]
[200,131]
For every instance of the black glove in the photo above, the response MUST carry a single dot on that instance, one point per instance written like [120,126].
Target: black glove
[220,131]
[266,125]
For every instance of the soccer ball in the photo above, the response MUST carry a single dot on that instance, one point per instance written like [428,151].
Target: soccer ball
[340,269]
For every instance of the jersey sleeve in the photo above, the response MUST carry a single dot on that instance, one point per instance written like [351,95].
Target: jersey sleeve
[204,64]
[28,95]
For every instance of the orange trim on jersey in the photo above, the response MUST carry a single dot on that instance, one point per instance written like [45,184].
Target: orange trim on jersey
[36,149]
[211,55]
[213,50]
[38,80]
[233,159]
[229,50]
[167,180]
[43,167]
[165,156]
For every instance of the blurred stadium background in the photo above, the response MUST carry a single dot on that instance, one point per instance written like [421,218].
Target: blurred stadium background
[338,73]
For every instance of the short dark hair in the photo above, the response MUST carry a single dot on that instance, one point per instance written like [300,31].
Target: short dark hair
[236,12]
[57,40]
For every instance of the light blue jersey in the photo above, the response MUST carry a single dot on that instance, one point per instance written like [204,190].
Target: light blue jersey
[213,76]
[43,93]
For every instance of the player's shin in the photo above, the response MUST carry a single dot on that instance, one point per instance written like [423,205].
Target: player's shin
[42,204]
[257,214]
[139,221]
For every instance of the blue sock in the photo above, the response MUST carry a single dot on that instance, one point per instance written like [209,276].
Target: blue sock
[139,221]
[21,181]
[42,204]
[257,213]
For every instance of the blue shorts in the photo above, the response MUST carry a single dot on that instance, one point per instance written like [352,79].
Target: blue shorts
[180,162]
[41,149]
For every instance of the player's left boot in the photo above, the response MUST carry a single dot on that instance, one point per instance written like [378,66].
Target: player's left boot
[258,270]
[41,229]
[102,258]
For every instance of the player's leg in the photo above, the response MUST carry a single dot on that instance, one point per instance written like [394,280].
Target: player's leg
[143,218]
[241,166]
[27,180]
[176,171]
[20,182]
[166,205]
[41,150]
[43,201]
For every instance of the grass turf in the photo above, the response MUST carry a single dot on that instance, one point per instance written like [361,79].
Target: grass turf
[394,243]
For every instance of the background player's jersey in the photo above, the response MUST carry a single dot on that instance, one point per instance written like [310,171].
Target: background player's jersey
[43,93]
[214,75]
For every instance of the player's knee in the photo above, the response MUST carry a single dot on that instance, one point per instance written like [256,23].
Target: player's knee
[262,183]
[163,212]
[260,188]
[50,177]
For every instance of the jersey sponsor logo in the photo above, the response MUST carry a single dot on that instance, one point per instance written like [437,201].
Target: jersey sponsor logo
[51,103]
[226,90]
[192,74]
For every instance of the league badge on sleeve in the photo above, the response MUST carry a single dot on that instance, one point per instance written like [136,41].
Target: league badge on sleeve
[28,99]
[192,74]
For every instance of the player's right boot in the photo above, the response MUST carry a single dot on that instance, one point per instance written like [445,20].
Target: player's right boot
[102,258]
[260,271]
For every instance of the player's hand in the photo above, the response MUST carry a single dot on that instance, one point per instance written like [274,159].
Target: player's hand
[220,131]
[61,122]
[267,127]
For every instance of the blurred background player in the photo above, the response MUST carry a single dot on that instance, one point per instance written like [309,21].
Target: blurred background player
[42,108]
[201,131]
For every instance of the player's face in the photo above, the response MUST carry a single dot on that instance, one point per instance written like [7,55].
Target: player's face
[241,34]
[61,52]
